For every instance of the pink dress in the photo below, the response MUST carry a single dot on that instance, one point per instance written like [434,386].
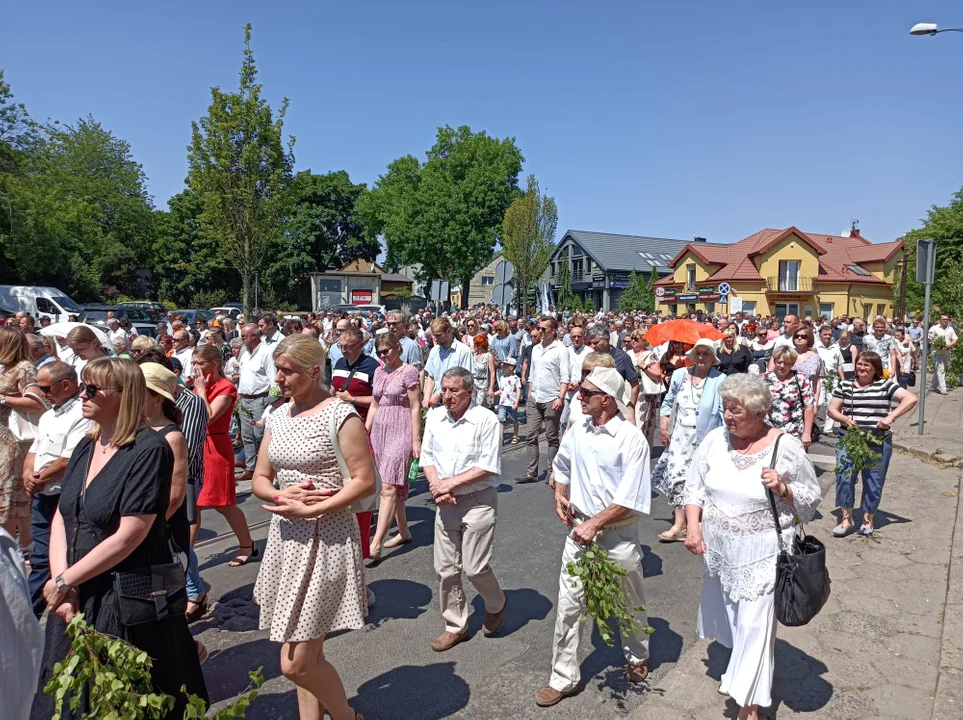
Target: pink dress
[391,429]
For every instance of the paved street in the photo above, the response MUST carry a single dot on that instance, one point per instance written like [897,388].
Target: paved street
[389,668]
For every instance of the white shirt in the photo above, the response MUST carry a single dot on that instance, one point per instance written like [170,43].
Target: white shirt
[186,359]
[21,633]
[606,465]
[947,334]
[455,446]
[831,356]
[118,334]
[58,432]
[783,339]
[549,369]
[256,372]
[575,360]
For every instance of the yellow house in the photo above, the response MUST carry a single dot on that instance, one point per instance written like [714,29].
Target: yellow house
[782,272]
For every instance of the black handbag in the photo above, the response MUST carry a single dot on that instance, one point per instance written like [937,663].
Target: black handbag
[150,594]
[911,379]
[802,580]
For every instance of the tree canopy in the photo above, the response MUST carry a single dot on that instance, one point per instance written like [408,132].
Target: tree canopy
[945,226]
[528,237]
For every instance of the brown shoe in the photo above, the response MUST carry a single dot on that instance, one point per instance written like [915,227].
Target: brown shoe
[493,621]
[246,475]
[548,696]
[448,640]
[637,673]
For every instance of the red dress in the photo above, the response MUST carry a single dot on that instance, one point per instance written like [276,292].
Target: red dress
[218,488]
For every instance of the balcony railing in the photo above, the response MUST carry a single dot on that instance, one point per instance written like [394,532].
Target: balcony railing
[578,276]
[792,285]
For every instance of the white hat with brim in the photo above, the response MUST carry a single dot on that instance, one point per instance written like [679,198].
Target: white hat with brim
[159,379]
[510,361]
[704,343]
[611,383]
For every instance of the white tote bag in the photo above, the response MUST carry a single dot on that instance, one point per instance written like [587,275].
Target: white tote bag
[366,504]
[23,425]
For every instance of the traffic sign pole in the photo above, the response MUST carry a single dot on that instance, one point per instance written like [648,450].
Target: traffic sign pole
[925,273]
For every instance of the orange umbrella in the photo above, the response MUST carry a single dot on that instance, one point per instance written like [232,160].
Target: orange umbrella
[684,331]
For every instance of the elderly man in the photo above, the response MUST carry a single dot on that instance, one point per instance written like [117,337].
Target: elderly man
[461,455]
[597,338]
[115,332]
[410,350]
[548,373]
[576,354]
[184,354]
[446,354]
[601,491]
[59,431]
[38,351]
[352,376]
[255,376]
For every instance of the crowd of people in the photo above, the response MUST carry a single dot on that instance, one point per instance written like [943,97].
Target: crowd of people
[113,446]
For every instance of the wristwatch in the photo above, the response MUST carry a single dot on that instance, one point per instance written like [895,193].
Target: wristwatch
[353,401]
[3,400]
[61,585]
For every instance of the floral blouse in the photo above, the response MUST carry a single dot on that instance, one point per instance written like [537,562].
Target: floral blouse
[789,401]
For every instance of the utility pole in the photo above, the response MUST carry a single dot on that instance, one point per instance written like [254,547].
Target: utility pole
[925,272]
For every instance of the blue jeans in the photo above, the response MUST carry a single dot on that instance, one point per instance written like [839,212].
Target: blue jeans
[44,508]
[873,479]
[195,588]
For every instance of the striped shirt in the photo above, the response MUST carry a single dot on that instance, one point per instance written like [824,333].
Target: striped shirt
[194,427]
[867,405]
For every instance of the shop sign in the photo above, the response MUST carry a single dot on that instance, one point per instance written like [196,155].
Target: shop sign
[787,296]
[664,292]
[711,297]
[687,298]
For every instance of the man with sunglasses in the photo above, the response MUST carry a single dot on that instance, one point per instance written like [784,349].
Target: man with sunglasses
[352,377]
[602,489]
[59,431]
[184,353]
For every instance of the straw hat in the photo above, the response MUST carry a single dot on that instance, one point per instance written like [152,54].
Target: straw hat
[159,379]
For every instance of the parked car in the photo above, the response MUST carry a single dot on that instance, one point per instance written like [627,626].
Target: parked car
[38,301]
[190,316]
[157,311]
[230,309]
[95,314]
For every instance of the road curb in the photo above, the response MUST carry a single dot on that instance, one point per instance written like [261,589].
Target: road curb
[948,698]
[939,456]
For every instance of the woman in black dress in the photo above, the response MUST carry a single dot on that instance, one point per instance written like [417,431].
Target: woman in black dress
[111,518]
[734,357]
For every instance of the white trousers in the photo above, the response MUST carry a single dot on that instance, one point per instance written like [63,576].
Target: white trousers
[464,538]
[939,372]
[622,544]
[749,628]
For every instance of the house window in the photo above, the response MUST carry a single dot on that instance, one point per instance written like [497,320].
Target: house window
[577,270]
[788,275]
[867,311]
[488,280]
[690,282]
[674,309]
[783,309]
[826,310]
[749,308]
[710,307]
[881,308]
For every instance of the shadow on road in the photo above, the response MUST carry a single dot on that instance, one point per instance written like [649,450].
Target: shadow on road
[427,693]
[398,600]
[524,606]
[226,671]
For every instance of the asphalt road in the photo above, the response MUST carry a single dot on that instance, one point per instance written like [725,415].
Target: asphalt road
[389,670]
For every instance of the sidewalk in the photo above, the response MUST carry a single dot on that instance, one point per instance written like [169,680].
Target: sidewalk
[889,643]
[942,438]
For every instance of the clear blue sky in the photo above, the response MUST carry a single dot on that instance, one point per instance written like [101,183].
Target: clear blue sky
[659,118]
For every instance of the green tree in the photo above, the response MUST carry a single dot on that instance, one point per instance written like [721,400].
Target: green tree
[445,214]
[566,298]
[528,236]
[239,166]
[945,226]
[632,298]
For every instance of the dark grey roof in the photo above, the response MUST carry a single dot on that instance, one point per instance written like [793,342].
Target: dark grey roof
[628,252]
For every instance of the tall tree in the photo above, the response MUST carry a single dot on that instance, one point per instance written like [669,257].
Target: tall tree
[239,166]
[528,236]
[445,214]
[566,298]
[945,226]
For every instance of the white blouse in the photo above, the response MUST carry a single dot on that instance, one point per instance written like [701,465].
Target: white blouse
[737,524]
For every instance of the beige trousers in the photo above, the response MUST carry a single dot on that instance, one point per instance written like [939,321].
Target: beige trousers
[622,544]
[464,538]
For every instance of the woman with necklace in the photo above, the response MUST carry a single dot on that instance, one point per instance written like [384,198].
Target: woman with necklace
[690,409]
[311,581]
[112,519]
[394,426]
[793,406]
[731,526]
[866,402]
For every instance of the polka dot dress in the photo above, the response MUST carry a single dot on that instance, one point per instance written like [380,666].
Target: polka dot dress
[310,582]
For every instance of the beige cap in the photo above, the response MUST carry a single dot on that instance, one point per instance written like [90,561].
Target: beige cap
[159,379]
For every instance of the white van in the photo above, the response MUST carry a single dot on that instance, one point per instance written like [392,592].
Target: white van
[38,301]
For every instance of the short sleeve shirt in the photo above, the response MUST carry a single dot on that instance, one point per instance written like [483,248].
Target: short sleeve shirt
[789,400]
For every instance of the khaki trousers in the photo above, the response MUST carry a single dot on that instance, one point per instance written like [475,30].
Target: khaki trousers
[464,538]
[622,544]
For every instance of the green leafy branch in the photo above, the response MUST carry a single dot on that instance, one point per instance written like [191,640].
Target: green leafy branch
[117,679]
[857,444]
[829,381]
[605,598]
[938,343]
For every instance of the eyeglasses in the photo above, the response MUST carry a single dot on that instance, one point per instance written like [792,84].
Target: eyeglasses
[383,352]
[44,388]
[394,324]
[589,393]
[801,336]
[90,391]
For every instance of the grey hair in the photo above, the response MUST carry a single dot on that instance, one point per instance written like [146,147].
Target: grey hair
[750,391]
[596,331]
[460,373]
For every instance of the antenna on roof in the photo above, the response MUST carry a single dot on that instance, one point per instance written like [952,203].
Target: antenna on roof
[854,226]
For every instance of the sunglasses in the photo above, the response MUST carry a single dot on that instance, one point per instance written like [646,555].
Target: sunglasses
[801,336]
[383,352]
[587,394]
[44,388]
[90,391]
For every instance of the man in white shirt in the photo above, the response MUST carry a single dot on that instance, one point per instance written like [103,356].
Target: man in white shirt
[446,354]
[116,333]
[255,376]
[59,430]
[184,354]
[548,376]
[790,324]
[38,351]
[602,487]
[832,358]
[576,354]
[941,357]
[461,455]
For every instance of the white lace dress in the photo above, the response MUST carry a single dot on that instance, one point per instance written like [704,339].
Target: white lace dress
[741,548]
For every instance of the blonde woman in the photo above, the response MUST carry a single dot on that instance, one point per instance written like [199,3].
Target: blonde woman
[85,346]
[141,343]
[111,518]
[314,543]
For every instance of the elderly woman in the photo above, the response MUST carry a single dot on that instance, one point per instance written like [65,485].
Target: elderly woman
[793,407]
[730,524]
[866,402]
[693,407]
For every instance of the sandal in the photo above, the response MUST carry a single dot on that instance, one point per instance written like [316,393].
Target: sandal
[241,561]
[866,530]
[670,537]
[843,529]
[201,606]
[397,541]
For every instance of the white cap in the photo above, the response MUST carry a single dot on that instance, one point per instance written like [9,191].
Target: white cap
[611,383]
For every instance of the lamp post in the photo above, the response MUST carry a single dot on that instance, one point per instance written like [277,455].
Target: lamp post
[930,29]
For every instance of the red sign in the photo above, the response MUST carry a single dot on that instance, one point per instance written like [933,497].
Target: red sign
[360,297]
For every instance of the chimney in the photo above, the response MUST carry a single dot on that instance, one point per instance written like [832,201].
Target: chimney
[854,228]
[696,238]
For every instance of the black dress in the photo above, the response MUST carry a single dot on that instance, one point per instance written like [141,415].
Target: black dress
[737,361]
[135,481]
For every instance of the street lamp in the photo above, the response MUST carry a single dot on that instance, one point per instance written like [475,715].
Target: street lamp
[930,29]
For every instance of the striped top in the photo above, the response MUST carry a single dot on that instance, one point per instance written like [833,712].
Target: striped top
[867,405]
